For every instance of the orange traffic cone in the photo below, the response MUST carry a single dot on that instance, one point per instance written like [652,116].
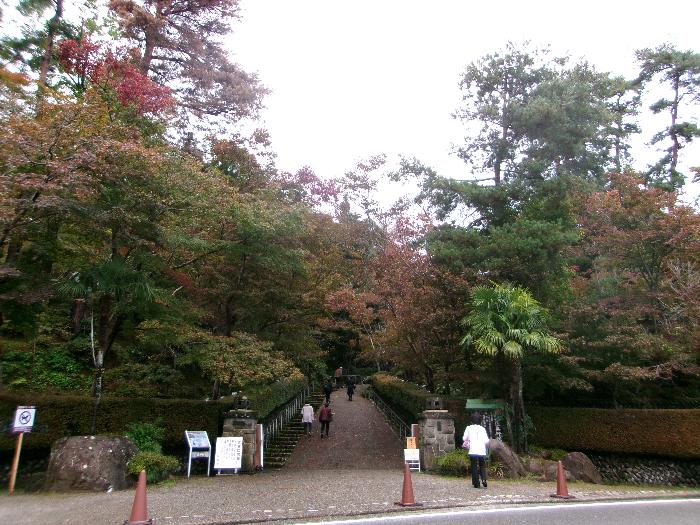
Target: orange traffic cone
[562,491]
[139,511]
[407,499]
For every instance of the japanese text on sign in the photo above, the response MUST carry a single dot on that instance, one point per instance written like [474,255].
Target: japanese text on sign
[229,452]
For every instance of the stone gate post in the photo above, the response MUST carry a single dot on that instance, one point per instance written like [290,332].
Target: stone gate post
[241,423]
[437,436]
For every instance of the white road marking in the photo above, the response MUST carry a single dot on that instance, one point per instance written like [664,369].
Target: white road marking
[413,515]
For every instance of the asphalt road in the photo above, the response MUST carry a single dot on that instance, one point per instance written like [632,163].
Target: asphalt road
[671,512]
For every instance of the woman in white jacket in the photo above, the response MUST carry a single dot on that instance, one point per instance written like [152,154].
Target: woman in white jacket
[307,417]
[476,440]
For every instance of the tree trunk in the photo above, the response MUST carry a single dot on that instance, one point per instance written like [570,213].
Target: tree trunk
[503,373]
[516,398]
[674,133]
[429,379]
[108,327]
[49,44]
[227,318]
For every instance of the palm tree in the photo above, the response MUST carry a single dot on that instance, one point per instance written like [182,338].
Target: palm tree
[505,321]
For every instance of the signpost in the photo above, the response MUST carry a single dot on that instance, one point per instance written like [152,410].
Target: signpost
[229,453]
[23,422]
[200,447]
[411,456]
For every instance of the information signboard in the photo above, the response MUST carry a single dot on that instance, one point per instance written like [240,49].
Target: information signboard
[200,448]
[24,419]
[229,453]
[411,456]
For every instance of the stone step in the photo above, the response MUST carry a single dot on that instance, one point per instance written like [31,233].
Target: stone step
[282,446]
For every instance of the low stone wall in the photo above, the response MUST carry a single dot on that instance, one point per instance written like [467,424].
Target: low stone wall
[651,471]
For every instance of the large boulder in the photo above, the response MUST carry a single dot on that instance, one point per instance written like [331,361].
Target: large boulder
[546,469]
[513,466]
[581,467]
[96,463]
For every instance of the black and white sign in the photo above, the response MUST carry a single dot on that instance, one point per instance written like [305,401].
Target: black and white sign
[229,453]
[200,448]
[411,456]
[24,419]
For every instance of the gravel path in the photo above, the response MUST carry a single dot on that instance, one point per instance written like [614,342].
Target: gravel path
[290,494]
[359,439]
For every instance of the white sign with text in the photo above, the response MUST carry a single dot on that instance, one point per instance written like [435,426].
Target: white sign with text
[229,453]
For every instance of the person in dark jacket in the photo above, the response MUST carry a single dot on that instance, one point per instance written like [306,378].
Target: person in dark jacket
[327,390]
[351,389]
[325,416]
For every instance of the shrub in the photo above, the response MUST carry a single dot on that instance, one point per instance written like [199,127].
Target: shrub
[146,436]
[455,463]
[554,454]
[157,466]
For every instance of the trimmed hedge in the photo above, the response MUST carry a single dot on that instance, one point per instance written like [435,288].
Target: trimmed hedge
[60,416]
[658,432]
[407,399]
[266,398]
[650,432]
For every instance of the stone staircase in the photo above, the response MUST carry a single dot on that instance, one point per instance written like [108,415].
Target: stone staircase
[282,446]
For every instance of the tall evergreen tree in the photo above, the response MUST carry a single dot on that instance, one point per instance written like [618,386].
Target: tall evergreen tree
[679,71]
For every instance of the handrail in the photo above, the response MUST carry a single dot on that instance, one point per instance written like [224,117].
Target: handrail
[274,423]
[397,424]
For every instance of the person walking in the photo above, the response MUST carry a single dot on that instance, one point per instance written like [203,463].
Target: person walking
[351,389]
[325,416]
[327,390]
[338,376]
[307,417]
[476,440]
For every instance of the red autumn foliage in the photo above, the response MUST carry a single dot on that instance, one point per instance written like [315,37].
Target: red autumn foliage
[90,62]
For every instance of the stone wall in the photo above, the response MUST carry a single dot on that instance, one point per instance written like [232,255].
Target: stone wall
[645,470]
[437,436]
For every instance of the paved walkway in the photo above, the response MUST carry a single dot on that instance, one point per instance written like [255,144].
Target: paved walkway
[359,439]
[365,478]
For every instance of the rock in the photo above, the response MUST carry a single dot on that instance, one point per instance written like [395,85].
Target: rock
[96,463]
[546,469]
[581,467]
[513,466]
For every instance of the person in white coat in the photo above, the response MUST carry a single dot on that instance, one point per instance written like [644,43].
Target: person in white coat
[476,440]
[307,417]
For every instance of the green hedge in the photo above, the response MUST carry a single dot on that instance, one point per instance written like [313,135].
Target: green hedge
[658,432]
[266,398]
[406,399]
[60,416]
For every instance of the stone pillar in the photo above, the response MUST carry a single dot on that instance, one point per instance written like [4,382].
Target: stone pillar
[437,436]
[241,423]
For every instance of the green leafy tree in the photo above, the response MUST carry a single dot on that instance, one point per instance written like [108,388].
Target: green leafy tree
[678,71]
[496,88]
[506,322]
[623,105]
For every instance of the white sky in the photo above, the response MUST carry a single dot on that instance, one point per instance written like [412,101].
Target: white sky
[355,78]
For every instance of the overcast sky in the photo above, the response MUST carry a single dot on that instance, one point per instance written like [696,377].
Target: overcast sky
[355,78]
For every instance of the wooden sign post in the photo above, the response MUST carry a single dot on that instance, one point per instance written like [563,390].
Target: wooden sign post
[24,421]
